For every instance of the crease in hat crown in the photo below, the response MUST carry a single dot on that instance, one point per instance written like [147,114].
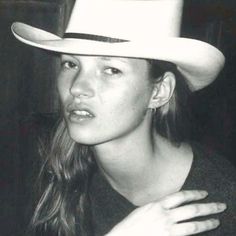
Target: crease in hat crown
[145,29]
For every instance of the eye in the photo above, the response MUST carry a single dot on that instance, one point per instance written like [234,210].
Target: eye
[69,65]
[112,71]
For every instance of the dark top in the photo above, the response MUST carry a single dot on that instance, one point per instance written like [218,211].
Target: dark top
[209,172]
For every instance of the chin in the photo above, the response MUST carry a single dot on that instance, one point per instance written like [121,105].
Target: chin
[80,136]
[84,136]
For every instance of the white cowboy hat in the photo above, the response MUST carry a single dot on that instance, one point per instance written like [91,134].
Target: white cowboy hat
[131,28]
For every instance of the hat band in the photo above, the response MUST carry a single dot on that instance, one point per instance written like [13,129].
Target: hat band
[94,37]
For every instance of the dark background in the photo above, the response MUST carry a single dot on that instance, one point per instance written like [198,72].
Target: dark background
[28,95]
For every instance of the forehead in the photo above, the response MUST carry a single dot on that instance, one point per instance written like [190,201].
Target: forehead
[125,60]
[122,59]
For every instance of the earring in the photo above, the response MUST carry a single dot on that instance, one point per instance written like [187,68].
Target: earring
[154,110]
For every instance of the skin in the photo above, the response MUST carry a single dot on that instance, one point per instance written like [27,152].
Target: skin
[108,95]
[145,167]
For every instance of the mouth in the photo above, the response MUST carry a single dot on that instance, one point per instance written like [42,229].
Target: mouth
[82,113]
[79,114]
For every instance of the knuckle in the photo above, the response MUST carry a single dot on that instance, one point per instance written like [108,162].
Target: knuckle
[169,217]
[195,209]
[189,195]
[214,207]
[183,194]
[191,228]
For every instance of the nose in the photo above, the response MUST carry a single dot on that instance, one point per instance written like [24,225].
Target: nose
[82,85]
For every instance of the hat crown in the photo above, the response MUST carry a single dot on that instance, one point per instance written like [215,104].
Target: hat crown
[134,20]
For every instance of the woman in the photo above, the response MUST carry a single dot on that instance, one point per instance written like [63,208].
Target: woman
[121,161]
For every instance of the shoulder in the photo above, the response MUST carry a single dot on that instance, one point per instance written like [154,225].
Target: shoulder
[215,174]
[211,164]
[212,171]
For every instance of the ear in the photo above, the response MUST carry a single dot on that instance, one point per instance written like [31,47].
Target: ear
[162,90]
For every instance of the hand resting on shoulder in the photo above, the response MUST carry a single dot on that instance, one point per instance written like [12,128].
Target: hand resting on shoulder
[164,217]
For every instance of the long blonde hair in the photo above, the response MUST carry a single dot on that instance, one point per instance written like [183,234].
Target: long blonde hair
[64,179]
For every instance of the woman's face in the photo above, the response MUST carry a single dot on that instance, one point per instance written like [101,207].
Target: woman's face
[104,98]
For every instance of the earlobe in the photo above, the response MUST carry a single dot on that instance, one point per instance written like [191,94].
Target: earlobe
[163,90]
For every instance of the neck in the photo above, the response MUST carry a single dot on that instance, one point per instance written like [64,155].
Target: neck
[144,168]
[121,161]
[133,165]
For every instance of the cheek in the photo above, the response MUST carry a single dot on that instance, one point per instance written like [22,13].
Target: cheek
[63,86]
[141,96]
[132,104]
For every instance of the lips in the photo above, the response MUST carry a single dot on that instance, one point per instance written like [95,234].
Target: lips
[78,113]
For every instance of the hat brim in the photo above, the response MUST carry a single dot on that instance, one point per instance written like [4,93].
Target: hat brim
[198,61]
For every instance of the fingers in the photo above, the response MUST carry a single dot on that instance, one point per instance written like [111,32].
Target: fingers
[165,217]
[182,197]
[194,227]
[196,210]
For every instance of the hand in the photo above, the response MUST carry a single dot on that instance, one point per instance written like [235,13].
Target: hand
[163,218]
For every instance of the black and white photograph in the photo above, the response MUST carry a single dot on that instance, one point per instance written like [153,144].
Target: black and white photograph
[118,117]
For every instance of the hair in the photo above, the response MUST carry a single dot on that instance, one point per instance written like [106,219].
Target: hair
[64,206]
[64,181]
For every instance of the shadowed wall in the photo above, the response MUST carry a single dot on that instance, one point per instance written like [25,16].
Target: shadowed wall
[27,97]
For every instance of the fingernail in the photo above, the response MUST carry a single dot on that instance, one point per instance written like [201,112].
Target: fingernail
[216,222]
[204,193]
[222,206]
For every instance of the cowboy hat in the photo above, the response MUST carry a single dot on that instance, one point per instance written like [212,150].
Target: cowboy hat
[131,28]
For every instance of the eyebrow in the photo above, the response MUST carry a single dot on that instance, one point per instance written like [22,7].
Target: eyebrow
[110,58]
[104,58]
[68,55]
